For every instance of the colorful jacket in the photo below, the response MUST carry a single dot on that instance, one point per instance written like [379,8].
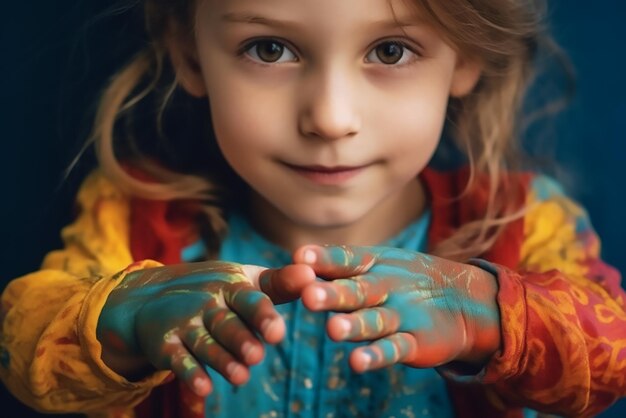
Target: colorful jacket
[562,309]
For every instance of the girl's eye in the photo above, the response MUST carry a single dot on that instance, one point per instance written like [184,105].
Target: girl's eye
[269,51]
[390,53]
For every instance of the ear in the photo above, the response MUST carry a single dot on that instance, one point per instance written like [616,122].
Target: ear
[184,57]
[466,75]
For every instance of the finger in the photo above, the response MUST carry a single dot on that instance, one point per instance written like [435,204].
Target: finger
[186,367]
[257,311]
[204,348]
[345,295]
[363,325]
[232,334]
[396,348]
[285,284]
[333,262]
[253,273]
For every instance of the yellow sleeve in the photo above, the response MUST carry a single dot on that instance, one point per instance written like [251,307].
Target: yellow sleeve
[49,354]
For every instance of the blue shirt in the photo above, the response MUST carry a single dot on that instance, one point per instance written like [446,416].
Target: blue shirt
[307,375]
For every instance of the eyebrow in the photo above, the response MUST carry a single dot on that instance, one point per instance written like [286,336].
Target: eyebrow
[244,17]
[393,24]
[256,19]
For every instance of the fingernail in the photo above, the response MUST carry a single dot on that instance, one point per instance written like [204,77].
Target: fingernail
[320,295]
[309,257]
[344,326]
[232,369]
[266,325]
[247,349]
[366,359]
[201,386]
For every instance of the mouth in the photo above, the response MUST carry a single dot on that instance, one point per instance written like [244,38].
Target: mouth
[327,175]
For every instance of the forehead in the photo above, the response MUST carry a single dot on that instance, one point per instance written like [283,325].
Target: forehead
[321,12]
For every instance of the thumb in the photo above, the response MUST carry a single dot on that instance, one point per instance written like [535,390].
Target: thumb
[335,262]
[281,285]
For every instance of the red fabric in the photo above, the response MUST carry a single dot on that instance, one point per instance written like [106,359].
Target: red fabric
[161,229]
[453,206]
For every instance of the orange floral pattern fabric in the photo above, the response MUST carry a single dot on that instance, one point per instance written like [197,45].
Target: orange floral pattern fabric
[563,312]
[563,319]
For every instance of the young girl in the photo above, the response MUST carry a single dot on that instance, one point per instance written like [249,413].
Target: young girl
[300,255]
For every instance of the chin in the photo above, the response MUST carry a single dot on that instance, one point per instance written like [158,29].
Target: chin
[327,219]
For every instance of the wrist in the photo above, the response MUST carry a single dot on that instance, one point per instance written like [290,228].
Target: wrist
[132,368]
[115,331]
[485,344]
[483,327]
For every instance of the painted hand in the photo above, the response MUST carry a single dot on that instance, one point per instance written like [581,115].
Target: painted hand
[415,309]
[185,316]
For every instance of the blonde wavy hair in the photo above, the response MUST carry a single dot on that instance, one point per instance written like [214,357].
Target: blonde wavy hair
[503,34]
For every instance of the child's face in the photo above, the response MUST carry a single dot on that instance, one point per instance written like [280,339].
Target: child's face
[327,108]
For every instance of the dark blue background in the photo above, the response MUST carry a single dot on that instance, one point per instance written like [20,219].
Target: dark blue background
[56,56]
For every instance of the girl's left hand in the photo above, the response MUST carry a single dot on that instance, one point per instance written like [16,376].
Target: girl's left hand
[416,309]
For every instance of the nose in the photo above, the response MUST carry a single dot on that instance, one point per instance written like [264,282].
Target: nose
[329,109]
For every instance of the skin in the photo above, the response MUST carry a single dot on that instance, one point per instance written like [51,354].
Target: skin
[182,317]
[416,309]
[315,113]
[328,100]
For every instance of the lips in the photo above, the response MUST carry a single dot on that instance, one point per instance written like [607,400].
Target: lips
[325,175]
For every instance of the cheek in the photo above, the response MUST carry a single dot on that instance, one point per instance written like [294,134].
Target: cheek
[250,138]
[415,125]
[418,105]
[244,122]
[412,131]
[241,101]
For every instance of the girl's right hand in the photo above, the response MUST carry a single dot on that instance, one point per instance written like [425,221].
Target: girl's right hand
[185,316]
